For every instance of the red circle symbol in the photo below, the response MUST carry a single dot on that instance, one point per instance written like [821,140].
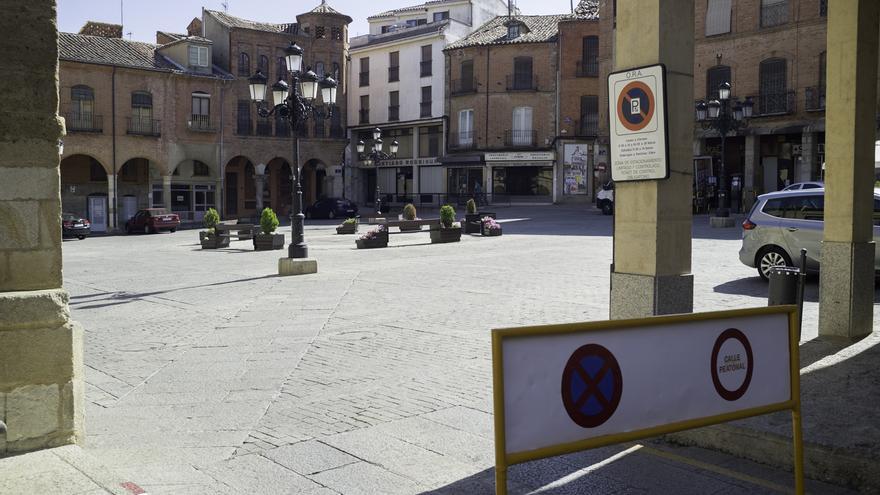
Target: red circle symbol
[592,385]
[635,106]
[726,394]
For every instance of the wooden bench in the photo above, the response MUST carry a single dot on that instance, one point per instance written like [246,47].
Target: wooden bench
[406,226]
[241,231]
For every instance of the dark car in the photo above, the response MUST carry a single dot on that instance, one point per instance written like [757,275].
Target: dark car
[74,226]
[152,220]
[332,208]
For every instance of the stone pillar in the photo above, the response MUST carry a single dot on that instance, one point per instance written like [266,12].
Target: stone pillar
[166,192]
[416,187]
[490,186]
[752,161]
[260,185]
[41,368]
[652,245]
[809,156]
[846,292]
[111,203]
[218,197]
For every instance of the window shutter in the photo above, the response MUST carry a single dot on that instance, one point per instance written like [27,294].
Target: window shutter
[718,17]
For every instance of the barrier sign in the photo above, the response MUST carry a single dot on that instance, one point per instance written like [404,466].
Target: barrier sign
[639,146]
[564,388]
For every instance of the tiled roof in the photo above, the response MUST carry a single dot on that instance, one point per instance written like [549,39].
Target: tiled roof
[238,22]
[328,10]
[174,36]
[411,8]
[110,51]
[587,9]
[399,34]
[541,29]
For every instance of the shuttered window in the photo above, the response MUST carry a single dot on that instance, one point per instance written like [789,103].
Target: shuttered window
[715,77]
[717,17]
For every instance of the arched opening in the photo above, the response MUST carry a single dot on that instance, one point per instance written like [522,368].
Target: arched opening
[314,181]
[193,189]
[133,188]
[84,190]
[239,188]
[279,186]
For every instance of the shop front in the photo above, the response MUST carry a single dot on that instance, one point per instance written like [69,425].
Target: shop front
[521,177]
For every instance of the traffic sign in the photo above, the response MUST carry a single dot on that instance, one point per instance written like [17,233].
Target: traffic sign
[639,144]
[565,388]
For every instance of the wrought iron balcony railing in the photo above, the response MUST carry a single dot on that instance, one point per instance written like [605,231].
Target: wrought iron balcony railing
[520,139]
[588,68]
[264,128]
[393,112]
[426,67]
[768,104]
[462,141]
[201,123]
[463,86]
[518,82]
[144,127]
[83,122]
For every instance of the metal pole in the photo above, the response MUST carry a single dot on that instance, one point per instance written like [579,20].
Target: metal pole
[298,247]
[378,198]
[723,209]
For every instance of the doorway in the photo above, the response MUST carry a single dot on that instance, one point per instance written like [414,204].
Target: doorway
[231,194]
[129,208]
[98,213]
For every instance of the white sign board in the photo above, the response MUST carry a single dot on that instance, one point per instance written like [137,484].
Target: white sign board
[566,384]
[519,156]
[637,110]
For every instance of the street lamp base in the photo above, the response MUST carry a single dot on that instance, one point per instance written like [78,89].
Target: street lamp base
[298,251]
[300,266]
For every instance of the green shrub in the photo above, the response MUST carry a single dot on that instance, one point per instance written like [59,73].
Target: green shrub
[447,216]
[212,218]
[409,212]
[268,221]
[471,206]
[349,221]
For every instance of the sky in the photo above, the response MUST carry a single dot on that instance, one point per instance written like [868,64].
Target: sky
[142,18]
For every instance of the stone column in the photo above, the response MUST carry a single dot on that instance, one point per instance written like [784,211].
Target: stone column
[111,203]
[752,161]
[416,187]
[166,192]
[218,197]
[809,156]
[260,184]
[652,245]
[490,186]
[41,367]
[846,292]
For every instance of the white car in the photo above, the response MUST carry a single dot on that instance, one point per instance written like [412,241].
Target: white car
[797,186]
[605,198]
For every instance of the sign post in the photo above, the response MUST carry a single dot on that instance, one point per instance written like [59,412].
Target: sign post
[637,106]
[560,389]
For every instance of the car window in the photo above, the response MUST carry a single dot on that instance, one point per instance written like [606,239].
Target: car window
[774,207]
[811,186]
[809,208]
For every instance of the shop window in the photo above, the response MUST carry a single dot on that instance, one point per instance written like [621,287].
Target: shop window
[404,140]
[429,141]
[201,169]
[718,17]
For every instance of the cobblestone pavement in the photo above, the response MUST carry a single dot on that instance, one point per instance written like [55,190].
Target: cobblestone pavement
[206,373]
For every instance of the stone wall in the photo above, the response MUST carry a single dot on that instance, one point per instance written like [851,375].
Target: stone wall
[41,387]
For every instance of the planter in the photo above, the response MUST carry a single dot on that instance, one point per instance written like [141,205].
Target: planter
[268,242]
[406,226]
[441,235]
[347,228]
[472,223]
[372,243]
[490,214]
[210,241]
[491,233]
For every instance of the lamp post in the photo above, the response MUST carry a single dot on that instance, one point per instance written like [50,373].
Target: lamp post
[375,157]
[724,116]
[295,102]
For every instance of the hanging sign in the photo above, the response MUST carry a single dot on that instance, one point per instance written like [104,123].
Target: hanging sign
[639,144]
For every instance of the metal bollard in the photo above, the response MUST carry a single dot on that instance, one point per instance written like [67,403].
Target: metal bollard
[783,286]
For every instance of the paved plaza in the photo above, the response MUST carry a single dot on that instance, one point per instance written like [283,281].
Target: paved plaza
[207,373]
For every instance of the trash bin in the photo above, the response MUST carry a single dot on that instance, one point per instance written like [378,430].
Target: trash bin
[783,286]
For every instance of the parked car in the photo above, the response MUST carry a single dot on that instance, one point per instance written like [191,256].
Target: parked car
[783,222]
[797,186]
[332,208]
[152,220]
[605,198]
[75,226]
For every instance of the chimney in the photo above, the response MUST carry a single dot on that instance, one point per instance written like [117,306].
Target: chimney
[195,27]
[102,29]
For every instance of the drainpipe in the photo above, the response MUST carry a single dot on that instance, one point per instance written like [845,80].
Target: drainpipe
[221,206]
[113,133]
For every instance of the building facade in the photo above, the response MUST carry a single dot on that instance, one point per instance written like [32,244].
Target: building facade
[171,124]
[398,84]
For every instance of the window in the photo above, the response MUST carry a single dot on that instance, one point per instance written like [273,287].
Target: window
[441,16]
[201,103]
[522,73]
[141,113]
[319,69]
[404,141]
[426,103]
[774,12]
[244,64]
[466,128]
[243,118]
[521,133]
[513,31]
[200,169]
[427,61]
[393,66]
[715,77]
[394,105]
[416,22]
[797,207]
[336,73]
[718,17]
[198,56]
[320,32]
[590,57]
[336,33]
[264,65]
[822,71]
[365,71]
[467,83]
[82,101]
[823,8]
[281,68]
[365,109]
[773,87]
[589,116]
[429,141]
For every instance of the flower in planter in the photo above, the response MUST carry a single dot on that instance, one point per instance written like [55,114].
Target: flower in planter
[348,221]
[373,233]
[489,223]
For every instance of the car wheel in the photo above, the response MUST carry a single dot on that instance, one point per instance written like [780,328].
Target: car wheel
[80,237]
[309,214]
[331,215]
[127,228]
[770,258]
[607,208]
[172,230]
[147,229]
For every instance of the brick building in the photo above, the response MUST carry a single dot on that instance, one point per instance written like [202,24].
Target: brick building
[170,124]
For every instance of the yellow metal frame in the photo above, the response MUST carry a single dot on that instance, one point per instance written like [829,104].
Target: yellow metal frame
[503,460]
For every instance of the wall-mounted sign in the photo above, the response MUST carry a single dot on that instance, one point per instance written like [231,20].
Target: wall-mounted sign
[519,156]
[639,144]
[408,162]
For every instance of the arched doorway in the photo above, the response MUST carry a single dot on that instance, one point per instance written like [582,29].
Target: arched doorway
[279,186]
[133,188]
[239,188]
[84,190]
[314,181]
[193,189]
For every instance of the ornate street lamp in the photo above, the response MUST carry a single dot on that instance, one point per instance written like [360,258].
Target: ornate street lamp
[295,102]
[724,117]
[375,157]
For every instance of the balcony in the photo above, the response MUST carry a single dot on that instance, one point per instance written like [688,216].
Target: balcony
[83,122]
[462,141]
[364,78]
[364,115]
[463,86]
[264,128]
[337,132]
[201,123]
[520,139]
[518,82]
[588,128]
[814,99]
[426,68]
[425,109]
[393,74]
[769,104]
[587,68]
[393,112]
[138,126]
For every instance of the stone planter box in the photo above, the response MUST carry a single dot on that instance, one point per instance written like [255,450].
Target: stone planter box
[212,241]
[442,235]
[372,243]
[347,228]
[405,226]
[489,233]
[472,223]
[268,242]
